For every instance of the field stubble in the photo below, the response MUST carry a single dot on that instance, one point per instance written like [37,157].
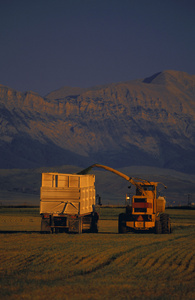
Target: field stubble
[93,266]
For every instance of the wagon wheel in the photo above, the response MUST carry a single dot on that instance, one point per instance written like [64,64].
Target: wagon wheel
[122,223]
[94,222]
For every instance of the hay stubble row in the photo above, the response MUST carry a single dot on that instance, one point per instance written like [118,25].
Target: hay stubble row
[93,266]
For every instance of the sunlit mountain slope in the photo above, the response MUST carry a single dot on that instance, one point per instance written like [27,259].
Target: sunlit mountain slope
[149,121]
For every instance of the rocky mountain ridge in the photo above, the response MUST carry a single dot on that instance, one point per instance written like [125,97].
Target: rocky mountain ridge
[149,121]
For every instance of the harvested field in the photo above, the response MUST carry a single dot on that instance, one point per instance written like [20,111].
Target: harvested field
[106,265]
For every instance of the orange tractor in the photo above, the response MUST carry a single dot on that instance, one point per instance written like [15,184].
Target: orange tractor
[147,210]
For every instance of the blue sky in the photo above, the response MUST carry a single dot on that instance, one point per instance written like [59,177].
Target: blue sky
[48,44]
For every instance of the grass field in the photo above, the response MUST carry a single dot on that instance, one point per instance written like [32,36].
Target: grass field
[106,265]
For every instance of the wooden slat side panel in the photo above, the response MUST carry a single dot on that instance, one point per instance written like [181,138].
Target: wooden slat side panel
[87,200]
[51,207]
[74,181]
[87,181]
[63,181]
[67,180]
[47,179]
[56,193]
[58,207]
[76,191]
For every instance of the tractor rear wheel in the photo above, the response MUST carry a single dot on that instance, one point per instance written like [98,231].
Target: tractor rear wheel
[165,223]
[158,227]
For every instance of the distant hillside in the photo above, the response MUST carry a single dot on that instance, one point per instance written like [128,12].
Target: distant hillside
[22,186]
[147,122]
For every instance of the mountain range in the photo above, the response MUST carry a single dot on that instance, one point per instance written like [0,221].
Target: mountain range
[144,122]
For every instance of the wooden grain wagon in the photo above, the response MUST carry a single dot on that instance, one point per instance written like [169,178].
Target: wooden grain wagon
[67,203]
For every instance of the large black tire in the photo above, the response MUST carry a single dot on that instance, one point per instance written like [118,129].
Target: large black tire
[45,228]
[122,223]
[165,223]
[94,222]
[57,230]
[158,227]
[80,225]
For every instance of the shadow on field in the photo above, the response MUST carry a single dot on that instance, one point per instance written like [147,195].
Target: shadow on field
[137,232]
[17,231]
[59,233]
